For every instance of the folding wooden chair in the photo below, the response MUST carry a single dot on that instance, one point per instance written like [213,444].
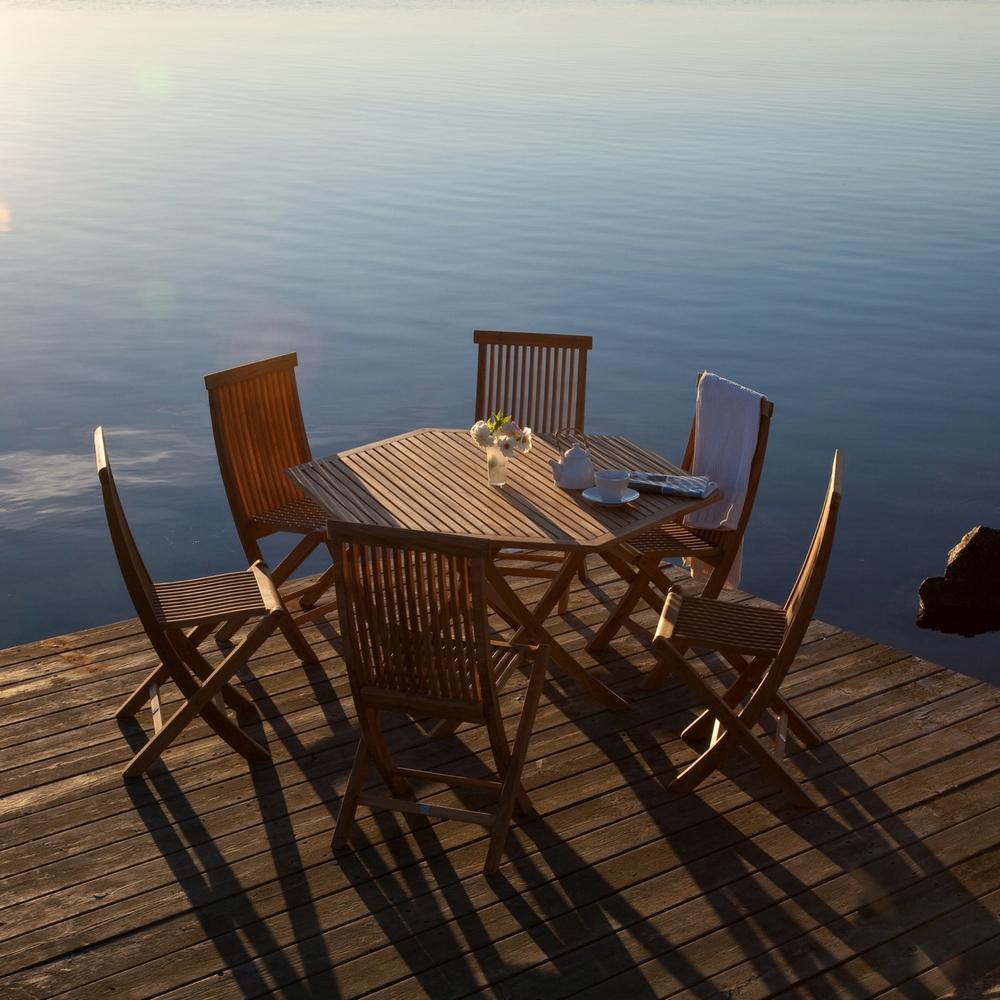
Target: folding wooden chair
[414,624]
[259,435]
[177,617]
[761,645]
[540,379]
[717,547]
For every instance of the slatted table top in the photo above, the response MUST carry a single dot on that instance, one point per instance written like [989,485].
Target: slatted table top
[435,479]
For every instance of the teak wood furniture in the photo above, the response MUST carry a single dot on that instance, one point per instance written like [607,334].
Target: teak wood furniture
[540,380]
[413,619]
[673,540]
[760,644]
[435,480]
[259,432]
[178,617]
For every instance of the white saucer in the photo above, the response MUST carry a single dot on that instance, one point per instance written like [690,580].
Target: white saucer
[596,497]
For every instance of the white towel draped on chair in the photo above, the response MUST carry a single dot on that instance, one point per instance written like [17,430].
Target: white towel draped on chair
[727,419]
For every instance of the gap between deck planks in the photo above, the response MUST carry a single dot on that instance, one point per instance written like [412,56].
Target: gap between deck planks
[583,752]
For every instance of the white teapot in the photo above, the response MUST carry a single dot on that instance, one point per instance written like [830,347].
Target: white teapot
[575,470]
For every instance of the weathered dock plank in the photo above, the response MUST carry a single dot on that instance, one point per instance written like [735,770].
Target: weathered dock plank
[214,879]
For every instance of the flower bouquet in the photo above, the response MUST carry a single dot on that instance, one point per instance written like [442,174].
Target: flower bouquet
[501,437]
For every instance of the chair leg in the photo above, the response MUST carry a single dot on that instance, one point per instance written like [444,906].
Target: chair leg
[446,727]
[749,675]
[303,548]
[349,804]
[501,755]
[231,627]
[735,729]
[201,632]
[721,565]
[246,746]
[642,578]
[296,640]
[581,575]
[532,629]
[199,702]
[798,725]
[203,670]
[512,782]
[307,596]
[709,760]
[616,620]
[131,707]
[716,581]
[311,595]
[660,669]
[378,750]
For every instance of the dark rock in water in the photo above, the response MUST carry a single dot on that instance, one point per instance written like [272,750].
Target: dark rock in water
[966,600]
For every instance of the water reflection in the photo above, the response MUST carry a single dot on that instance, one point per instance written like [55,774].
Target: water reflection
[35,485]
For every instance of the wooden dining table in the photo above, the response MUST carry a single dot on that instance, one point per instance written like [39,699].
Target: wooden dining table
[435,479]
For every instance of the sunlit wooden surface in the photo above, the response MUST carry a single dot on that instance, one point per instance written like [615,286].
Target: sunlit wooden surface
[214,878]
[435,480]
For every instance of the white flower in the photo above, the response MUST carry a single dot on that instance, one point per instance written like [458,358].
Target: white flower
[510,428]
[481,434]
[506,445]
[523,441]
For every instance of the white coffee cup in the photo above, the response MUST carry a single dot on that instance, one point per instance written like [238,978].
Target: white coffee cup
[611,484]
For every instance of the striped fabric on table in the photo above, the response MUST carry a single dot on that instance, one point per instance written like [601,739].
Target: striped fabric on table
[679,486]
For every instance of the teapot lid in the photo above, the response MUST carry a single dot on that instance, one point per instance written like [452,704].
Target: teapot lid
[577,452]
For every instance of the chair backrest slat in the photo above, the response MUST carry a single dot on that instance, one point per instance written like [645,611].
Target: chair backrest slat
[259,434]
[413,611]
[540,379]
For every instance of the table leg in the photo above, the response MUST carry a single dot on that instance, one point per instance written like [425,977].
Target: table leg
[533,628]
[650,571]
[642,577]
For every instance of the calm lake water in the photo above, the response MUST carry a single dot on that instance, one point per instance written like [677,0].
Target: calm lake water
[803,197]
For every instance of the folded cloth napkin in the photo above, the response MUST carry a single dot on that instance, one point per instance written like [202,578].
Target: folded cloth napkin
[727,418]
[672,486]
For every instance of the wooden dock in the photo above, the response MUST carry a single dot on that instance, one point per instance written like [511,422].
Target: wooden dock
[216,879]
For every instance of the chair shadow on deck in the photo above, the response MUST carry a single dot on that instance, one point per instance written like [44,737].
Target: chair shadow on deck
[588,928]
[578,920]
[853,829]
[419,901]
[446,928]
[843,924]
[241,936]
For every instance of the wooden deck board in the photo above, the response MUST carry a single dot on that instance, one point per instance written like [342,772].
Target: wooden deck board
[215,879]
